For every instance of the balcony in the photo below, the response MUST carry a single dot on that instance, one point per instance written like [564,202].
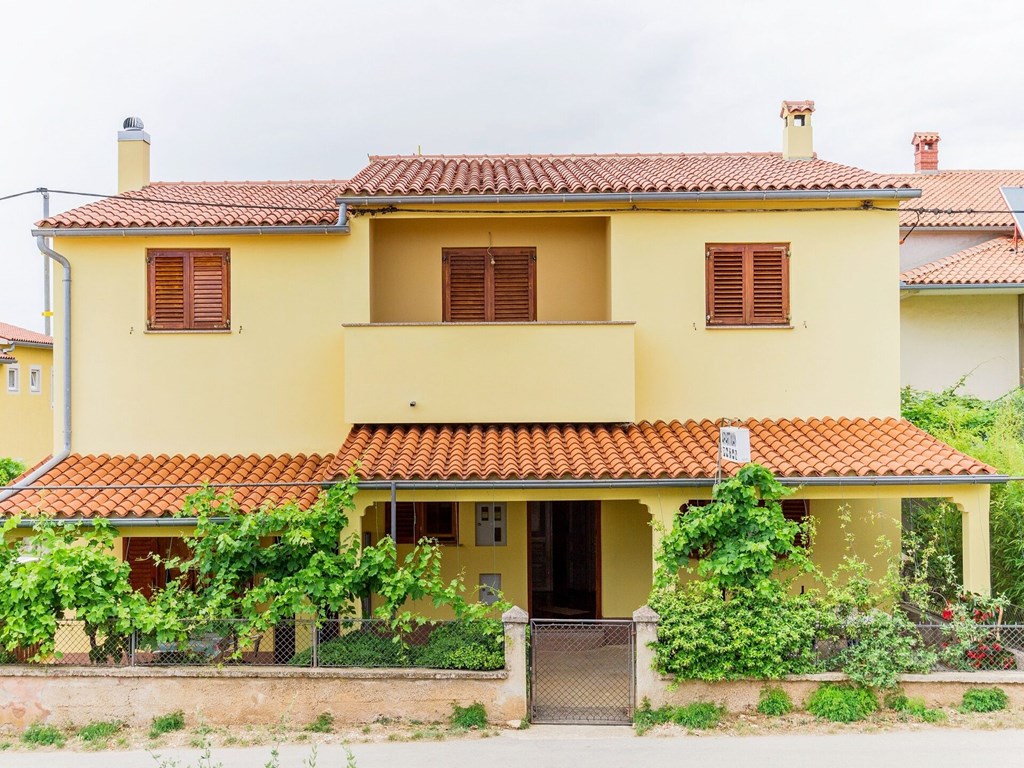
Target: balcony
[423,373]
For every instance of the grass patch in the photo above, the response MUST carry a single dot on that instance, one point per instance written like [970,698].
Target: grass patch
[99,731]
[774,702]
[473,716]
[914,708]
[324,723]
[699,715]
[173,721]
[984,700]
[842,703]
[40,735]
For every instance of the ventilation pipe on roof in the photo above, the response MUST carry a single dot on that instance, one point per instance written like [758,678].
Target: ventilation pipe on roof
[65,451]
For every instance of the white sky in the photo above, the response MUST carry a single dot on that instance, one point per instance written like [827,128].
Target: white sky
[303,89]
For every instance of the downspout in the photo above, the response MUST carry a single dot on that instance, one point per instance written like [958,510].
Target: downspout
[65,451]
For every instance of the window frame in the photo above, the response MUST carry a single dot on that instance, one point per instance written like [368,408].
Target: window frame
[490,254]
[418,509]
[13,381]
[36,372]
[189,324]
[749,290]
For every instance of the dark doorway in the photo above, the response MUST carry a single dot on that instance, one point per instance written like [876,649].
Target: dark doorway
[565,563]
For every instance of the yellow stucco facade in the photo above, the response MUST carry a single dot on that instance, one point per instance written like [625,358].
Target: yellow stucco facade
[26,412]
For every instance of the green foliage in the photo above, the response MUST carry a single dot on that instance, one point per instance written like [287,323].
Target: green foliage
[324,723]
[61,569]
[742,535]
[173,721]
[993,432]
[703,635]
[984,700]
[472,716]
[774,702]
[699,715]
[841,703]
[913,708]
[99,732]
[10,469]
[362,647]
[40,735]
[881,647]
[475,645]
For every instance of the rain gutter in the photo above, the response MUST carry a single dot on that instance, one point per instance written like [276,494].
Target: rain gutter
[65,451]
[961,286]
[131,522]
[296,229]
[638,197]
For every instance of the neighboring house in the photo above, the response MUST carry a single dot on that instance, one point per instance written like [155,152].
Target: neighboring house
[527,358]
[962,308]
[26,405]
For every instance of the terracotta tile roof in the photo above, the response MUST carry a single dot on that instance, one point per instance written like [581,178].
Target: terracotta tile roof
[133,470]
[228,203]
[7,359]
[568,174]
[797,448]
[796,106]
[960,191]
[14,333]
[993,262]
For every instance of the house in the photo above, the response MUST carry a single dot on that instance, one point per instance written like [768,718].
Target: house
[26,404]
[527,358]
[962,293]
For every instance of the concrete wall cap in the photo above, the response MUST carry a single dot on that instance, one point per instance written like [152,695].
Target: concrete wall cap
[515,615]
[645,615]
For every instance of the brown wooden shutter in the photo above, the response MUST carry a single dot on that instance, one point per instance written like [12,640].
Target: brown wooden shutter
[726,297]
[464,290]
[769,268]
[796,511]
[513,275]
[145,576]
[167,289]
[406,518]
[209,283]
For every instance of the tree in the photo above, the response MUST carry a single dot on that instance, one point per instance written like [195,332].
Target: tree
[10,469]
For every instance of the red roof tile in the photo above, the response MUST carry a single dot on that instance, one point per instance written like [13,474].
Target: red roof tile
[7,358]
[569,174]
[123,472]
[993,262]
[797,448]
[228,203]
[959,191]
[14,333]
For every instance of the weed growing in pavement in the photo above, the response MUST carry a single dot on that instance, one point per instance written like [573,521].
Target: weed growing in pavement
[984,700]
[40,735]
[173,721]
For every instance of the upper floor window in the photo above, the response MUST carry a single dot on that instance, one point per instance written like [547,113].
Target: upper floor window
[189,290]
[13,379]
[486,285]
[35,379]
[747,284]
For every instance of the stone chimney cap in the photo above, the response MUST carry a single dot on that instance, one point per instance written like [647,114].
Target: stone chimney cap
[923,136]
[789,107]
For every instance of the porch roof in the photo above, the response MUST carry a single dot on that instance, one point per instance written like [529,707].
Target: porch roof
[797,448]
[85,486]
[996,262]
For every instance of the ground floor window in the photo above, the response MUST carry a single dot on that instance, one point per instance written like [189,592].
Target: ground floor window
[417,520]
[147,556]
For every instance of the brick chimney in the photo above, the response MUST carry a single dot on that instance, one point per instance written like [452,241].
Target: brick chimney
[797,135]
[132,156]
[926,152]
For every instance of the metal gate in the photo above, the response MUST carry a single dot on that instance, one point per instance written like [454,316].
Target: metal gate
[581,671]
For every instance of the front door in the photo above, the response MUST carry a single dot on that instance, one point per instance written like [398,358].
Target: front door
[565,546]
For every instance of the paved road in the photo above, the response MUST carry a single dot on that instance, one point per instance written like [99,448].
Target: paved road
[565,747]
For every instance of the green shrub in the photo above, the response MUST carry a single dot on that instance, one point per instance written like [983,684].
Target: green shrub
[473,645]
[703,636]
[473,716]
[40,735]
[842,703]
[882,646]
[363,647]
[99,731]
[174,721]
[699,715]
[917,709]
[984,700]
[324,723]
[774,702]
[10,469]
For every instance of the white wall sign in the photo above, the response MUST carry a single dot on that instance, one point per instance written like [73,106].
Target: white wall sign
[734,444]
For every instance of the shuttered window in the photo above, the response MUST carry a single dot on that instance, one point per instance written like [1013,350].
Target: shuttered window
[424,520]
[747,284]
[188,290]
[484,285]
[794,510]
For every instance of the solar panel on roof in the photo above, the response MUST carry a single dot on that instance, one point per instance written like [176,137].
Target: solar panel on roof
[1014,197]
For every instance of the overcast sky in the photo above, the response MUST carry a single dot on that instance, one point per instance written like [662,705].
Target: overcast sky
[299,90]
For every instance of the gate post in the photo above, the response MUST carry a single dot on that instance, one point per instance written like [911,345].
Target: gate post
[648,681]
[515,620]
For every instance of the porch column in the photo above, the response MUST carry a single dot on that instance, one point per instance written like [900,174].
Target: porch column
[648,681]
[974,506]
[662,509]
